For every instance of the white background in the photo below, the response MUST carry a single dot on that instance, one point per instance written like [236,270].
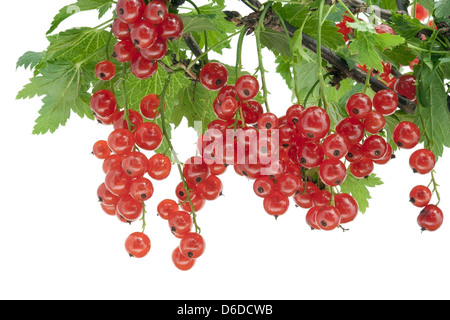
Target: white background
[56,243]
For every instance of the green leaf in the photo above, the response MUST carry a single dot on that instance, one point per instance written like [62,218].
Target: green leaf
[64,86]
[30,59]
[432,115]
[198,23]
[77,45]
[275,41]
[405,26]
[359,189]
[442,9]
[81,5]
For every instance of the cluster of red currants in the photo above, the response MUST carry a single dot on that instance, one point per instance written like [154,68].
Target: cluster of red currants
[143,31]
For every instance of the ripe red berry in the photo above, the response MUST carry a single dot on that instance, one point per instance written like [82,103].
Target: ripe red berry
[171,28]
[134,164]
[106,197]
[321,198]
[159,166]
[130,11]
[359,105]
[180,261]
[311,217]
[180,223]
[211,188]
[406,135]
[362,168]
[195,171]
[310,154]
[406,86]
[314,123]
[276,204]
[384,28]
[141,189]
[214,76]
[129,208]
[103,103]
[263,186]
[149,106]
[138,245]
[148,136]
[352,129]
[374,122]
[332,172]
[268,121]
[422,161]
[385,102]
[355,153]
[156,11]
[192,245]
[114,161]
[120,121]
[347,206]
[143,68]
[247,87]
[430,218]
[157,51]
[420,196]
[251,110]
[101,149]
[165,207]
[335,146]
[105,70]
[288,183]
[124,51]
[121,30]
[293,114]
[374,147]
[121,141]
[328,218]
[143,34]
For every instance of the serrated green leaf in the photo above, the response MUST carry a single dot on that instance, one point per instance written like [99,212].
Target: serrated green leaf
[64,86]
[198,23]
[442,9]
[276,42]
[29,59]
[81,5]
[405,26]
[359,189]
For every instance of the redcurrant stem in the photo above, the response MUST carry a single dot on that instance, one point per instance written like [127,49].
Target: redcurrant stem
[108,41]
[144,224]
[435,186]
[367,84]
[218,44]
[319,56]
[125,106]
[172,149]
[259,49]
[239,53]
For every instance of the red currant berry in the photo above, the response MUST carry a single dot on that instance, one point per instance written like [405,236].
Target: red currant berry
[129,208]
[181,262]
[303,197]
[251,110]
[103,103]
[420,196]
[362,168]
[335,146]
[388,156]
[332,172]
[149,106]
[101,149]
[157,51]
[143,34]
[148,136]
[109,210]
[406,135]
[121,30]
[195,171]
[106,197]
[143,68]
[352,129]
[263,186]
[171,28]
[358,106]
[134,164]
[120,121]
[311,217]
[276,204]
[384,28]
[211,188]
[422,161]
[374,122]
[130,11]
[247,87]
[267,121]
[180,223]
[328,218]
[198,202]
[214,76]
[406,86]
[374,147]
[430,218]
[293,114]
[421,12]
[124,51]
[165,207]
[217,168]
[138,245]
[156,11]
[310,154]
[105,70]
[314,123]
[121,141]
[159,166]
[355,153]
[347,206]
[192,245]
[113,162]
[226,109]
[321,198]
[385,101]
[288,184]
[141,189]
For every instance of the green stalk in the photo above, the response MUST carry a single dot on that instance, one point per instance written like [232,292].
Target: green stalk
[125,106]
[260,58]
[239,52]
[319,57]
